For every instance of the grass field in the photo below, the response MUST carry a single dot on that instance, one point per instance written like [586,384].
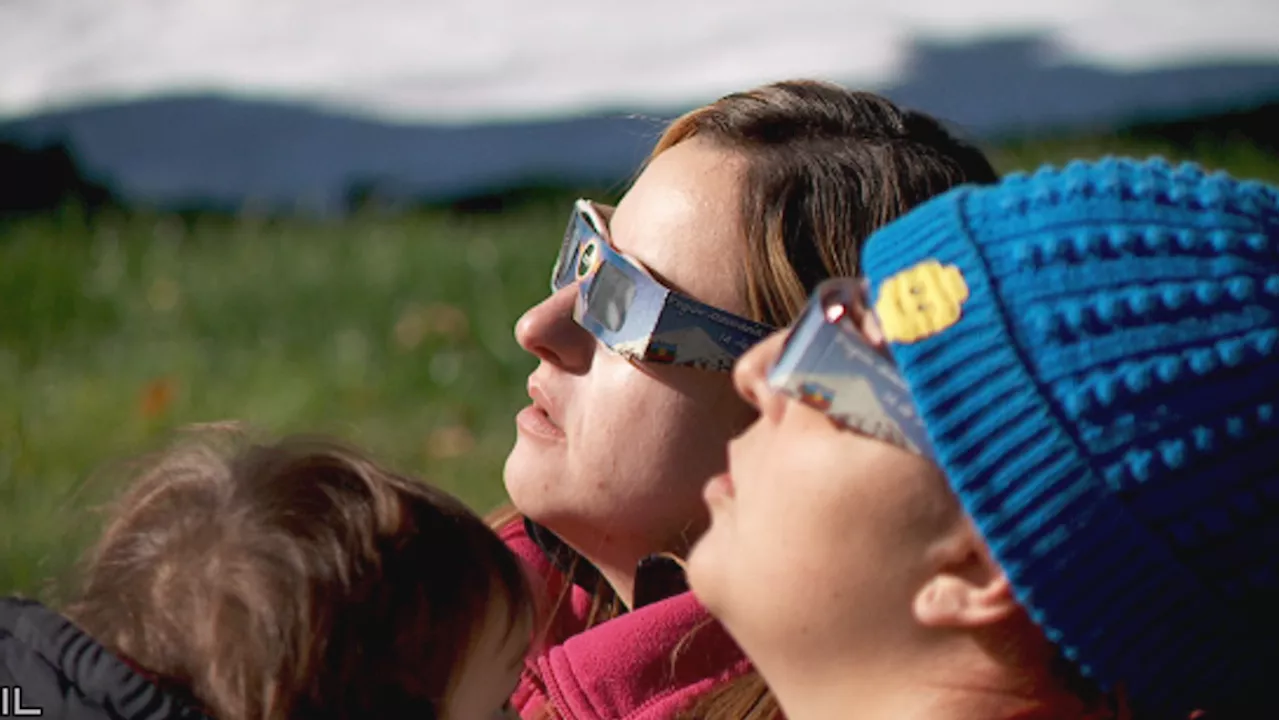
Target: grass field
[392,331]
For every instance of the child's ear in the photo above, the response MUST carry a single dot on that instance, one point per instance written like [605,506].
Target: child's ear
[968,587]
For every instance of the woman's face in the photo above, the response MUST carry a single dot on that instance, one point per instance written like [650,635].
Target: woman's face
[490,670]
[819,538]
[612,455]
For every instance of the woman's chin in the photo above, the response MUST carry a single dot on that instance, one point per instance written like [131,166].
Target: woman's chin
[541,496]
[529,473]
[705,568]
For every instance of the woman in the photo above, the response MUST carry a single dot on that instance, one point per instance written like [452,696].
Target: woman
[1060,503]
[743,206]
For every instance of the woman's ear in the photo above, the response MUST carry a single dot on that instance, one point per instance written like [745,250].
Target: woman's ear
[968,588]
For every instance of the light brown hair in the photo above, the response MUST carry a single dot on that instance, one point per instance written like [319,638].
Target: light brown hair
[825,167]
[294,579]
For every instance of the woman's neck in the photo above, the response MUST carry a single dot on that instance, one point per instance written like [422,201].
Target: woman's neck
[653,578]
[907,700]
[622,580]
[957,681]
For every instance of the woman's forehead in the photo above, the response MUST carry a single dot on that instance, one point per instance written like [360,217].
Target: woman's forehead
[682,220]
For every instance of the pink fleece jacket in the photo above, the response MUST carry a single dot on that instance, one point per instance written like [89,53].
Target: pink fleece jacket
[625,668]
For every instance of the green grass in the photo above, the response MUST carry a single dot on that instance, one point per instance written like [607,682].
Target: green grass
[391,331]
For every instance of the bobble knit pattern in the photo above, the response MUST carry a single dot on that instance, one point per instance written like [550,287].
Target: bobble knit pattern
[1105,408]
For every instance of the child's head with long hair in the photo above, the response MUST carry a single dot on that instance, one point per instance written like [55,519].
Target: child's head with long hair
[300,579]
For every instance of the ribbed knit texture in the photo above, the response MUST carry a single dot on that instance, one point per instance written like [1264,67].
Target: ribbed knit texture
[1105,408]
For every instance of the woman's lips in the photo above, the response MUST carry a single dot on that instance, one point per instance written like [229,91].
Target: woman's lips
[539,418]
[533,420]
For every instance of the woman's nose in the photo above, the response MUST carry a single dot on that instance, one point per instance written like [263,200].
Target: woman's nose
[548,331]
[750,373]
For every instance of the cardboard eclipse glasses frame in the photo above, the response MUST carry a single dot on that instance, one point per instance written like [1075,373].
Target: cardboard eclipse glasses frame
[825,362]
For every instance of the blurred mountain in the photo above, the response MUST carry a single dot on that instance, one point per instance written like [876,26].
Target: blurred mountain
[227,153]
[1014,86]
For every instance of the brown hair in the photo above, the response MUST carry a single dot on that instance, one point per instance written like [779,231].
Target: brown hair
[295,579]
[824,168]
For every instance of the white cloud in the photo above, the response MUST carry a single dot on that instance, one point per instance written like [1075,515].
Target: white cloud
[425,59]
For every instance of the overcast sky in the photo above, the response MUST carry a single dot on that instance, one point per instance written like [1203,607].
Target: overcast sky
[456,60]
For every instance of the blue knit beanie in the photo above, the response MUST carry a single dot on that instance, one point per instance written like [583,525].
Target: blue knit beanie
[1093,351]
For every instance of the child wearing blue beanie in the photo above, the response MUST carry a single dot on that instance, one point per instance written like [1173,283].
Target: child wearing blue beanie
[1088,355]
